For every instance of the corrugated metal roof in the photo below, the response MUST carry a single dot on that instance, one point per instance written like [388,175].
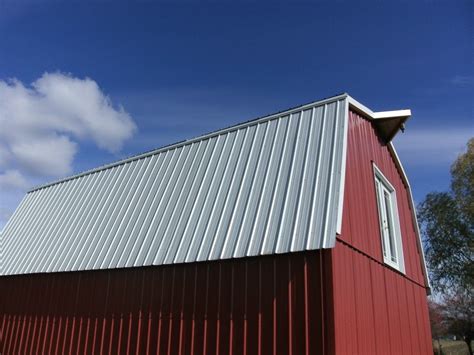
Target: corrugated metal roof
[268,186]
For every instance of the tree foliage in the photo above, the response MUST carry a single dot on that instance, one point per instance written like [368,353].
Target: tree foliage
[447,225]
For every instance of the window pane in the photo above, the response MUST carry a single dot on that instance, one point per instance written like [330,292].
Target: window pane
[390,227]
[382,221]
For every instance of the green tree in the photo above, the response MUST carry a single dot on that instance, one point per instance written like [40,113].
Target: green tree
[447,225]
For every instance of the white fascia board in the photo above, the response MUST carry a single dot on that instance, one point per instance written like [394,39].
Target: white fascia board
[392,114]
[377,115]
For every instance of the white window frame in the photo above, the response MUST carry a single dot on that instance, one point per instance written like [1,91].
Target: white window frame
[389,221]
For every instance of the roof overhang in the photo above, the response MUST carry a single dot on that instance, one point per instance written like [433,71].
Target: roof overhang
[387,123]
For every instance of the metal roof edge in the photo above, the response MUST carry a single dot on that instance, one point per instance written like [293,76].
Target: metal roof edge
[195,139]
[343,171]
[377,115]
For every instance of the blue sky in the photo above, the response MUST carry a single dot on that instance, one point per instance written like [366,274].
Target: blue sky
[163,71]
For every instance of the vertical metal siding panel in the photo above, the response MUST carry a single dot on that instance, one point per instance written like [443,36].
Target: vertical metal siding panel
[18,243]
[366,175]
[15,320]
[69,254]
[10,321]
[117,217]
[380,305]
[58,216]
[174,207]
[203,220]
[266,305]
[11,241]
[176,309]
[315,192]
[354,343]
[52,317]
[417,337]
[234,191]
[93,229]
[68,235]
[134,311]
[187,315]
[202,301]
[344,303]
[393,312]
[405,319]
[131,216]
[177,229]
[153,237]
[254,197]
[252,310]
[218,205]
[239,290]
[428,337]
[12,224]
[364,304]
[224,308]
[324,186]
[86,257]
[211,315]
[286,237]
[113,217]
[302,216]
[144,219]
[242,202]
[16,328]
[143,238]
[259,305]
[165,310]
[297,293]
[281,186]
[334,178]
[121,218]
[187,237]
[264,201]
[415,269]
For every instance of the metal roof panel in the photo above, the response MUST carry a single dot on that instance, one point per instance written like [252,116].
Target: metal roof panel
[267,186]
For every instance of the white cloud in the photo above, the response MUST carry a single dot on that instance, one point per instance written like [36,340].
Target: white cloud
[433,146]
[49,156]
[42,124]
[12,180]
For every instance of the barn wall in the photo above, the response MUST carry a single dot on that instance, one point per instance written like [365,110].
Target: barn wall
[360,226]
[377,310]
[263,305]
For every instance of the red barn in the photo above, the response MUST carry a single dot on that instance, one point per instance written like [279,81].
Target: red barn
[294,233]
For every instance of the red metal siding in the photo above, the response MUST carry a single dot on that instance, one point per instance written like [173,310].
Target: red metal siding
[377,310]
[360,227]
[264,305]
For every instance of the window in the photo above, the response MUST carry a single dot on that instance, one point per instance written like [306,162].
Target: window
[389,222]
